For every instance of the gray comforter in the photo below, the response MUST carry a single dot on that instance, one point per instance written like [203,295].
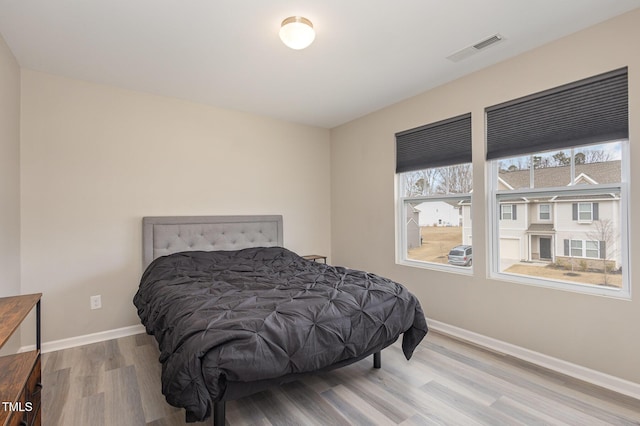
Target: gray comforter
[262,313]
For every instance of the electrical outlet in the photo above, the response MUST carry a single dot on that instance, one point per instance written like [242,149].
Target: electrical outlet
[95,302]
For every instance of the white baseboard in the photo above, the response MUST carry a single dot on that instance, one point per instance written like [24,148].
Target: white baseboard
[604,380]
[72,342]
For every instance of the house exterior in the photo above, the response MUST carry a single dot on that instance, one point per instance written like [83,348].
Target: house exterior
[439,213]
[577,231]
[414,239]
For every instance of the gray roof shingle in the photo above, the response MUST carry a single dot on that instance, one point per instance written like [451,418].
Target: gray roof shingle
[605,172]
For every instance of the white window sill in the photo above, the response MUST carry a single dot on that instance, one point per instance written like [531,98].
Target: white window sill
[613,292]
[463,270]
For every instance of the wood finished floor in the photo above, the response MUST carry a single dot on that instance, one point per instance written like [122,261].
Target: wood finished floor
[447,382]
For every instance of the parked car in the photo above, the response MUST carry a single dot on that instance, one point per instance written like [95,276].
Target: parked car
[461,255]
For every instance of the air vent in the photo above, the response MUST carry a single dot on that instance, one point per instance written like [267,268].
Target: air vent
[488,42]
[471,50]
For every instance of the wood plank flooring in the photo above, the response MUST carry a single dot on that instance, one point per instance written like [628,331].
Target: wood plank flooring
[447,382]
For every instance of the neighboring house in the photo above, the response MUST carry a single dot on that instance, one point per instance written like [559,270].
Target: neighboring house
[414,238]
[566,230]
[439,213]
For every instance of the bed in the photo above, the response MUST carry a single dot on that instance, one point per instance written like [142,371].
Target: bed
[234,312]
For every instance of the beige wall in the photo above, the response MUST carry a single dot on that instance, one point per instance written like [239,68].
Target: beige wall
[596,332]
[96,159]
[9,179]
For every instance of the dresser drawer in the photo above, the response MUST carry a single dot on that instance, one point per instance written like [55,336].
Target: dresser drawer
[33,394]
[17,417]
[34,385]
[26,410]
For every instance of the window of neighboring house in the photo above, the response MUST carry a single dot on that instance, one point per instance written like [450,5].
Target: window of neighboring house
[576,248]
[544,211]
[508,212]
[582,171]
[585,212]
[592,249]
[434,177]
[584,248]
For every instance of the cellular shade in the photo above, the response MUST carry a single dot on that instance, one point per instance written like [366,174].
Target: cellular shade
[588,111]
[443,143]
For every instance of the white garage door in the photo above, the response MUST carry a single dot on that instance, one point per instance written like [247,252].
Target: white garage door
[510,249]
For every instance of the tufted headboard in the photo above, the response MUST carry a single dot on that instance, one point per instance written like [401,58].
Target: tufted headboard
[171,234]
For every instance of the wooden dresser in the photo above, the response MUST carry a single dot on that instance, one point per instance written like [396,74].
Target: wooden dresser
[20,383]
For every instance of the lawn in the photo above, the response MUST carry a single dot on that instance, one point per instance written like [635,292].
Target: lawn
[437,241]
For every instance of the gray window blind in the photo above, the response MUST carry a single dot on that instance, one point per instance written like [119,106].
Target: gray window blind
[443,143]
[588,111]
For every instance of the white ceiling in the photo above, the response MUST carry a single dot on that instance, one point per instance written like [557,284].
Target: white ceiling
[367,54]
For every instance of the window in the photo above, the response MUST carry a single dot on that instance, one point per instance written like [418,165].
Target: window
[544,212]
[434,210]
[578,254]
[592,249]
[576,248]
[570,183]
[586,212]
[585,248]
[434,177]
[508,212]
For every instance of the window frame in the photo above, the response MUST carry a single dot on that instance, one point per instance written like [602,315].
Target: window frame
[494,200]
[587,249]
[540,218]
[589,211]
[584,249]
[503,212]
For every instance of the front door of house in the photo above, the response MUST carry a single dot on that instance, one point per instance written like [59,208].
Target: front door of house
[545,248]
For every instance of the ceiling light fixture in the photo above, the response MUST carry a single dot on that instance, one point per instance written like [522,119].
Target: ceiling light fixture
[297,32]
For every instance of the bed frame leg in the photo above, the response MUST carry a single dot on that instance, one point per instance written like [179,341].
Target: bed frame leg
[219,413]
[377,360]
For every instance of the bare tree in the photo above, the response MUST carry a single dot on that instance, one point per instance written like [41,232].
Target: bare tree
[455,179]
[427,182]
[560,158]
[605,233]
[571,258]
[411,187]
[541,162]
[596,156]
[420,182]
